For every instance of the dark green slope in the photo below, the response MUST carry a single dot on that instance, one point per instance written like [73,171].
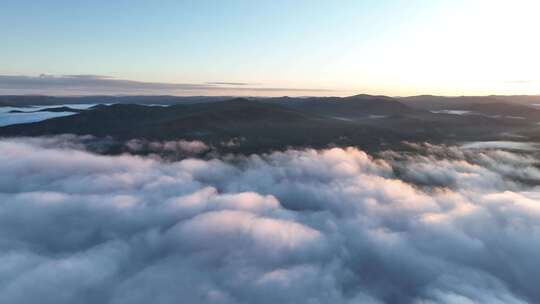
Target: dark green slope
[260,125]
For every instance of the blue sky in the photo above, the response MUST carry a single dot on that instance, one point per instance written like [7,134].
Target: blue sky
[321,47]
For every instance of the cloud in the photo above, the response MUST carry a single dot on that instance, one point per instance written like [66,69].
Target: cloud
[15,115]
[100,84]
[231,83]
[81,76]
[7,119]
[176,148]
[439,225]
[526,146]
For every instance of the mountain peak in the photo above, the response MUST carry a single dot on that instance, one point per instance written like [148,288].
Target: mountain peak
[367,96]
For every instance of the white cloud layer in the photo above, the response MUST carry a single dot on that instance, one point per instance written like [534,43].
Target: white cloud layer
[443,225]
[33,114]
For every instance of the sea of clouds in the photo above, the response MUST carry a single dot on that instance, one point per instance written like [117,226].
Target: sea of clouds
[436,224]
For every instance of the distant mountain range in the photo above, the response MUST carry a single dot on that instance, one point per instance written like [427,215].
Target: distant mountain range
[371,122]
[430,102]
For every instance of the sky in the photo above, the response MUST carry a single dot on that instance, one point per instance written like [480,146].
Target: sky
[269,48]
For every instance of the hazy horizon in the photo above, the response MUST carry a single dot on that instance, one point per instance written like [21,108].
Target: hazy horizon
[222,92]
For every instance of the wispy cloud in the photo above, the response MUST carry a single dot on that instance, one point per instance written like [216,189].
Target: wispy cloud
[81,76]
[102,84]
[232,83]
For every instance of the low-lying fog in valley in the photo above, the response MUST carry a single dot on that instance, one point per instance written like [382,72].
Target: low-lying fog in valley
[17,115]
[429,224]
